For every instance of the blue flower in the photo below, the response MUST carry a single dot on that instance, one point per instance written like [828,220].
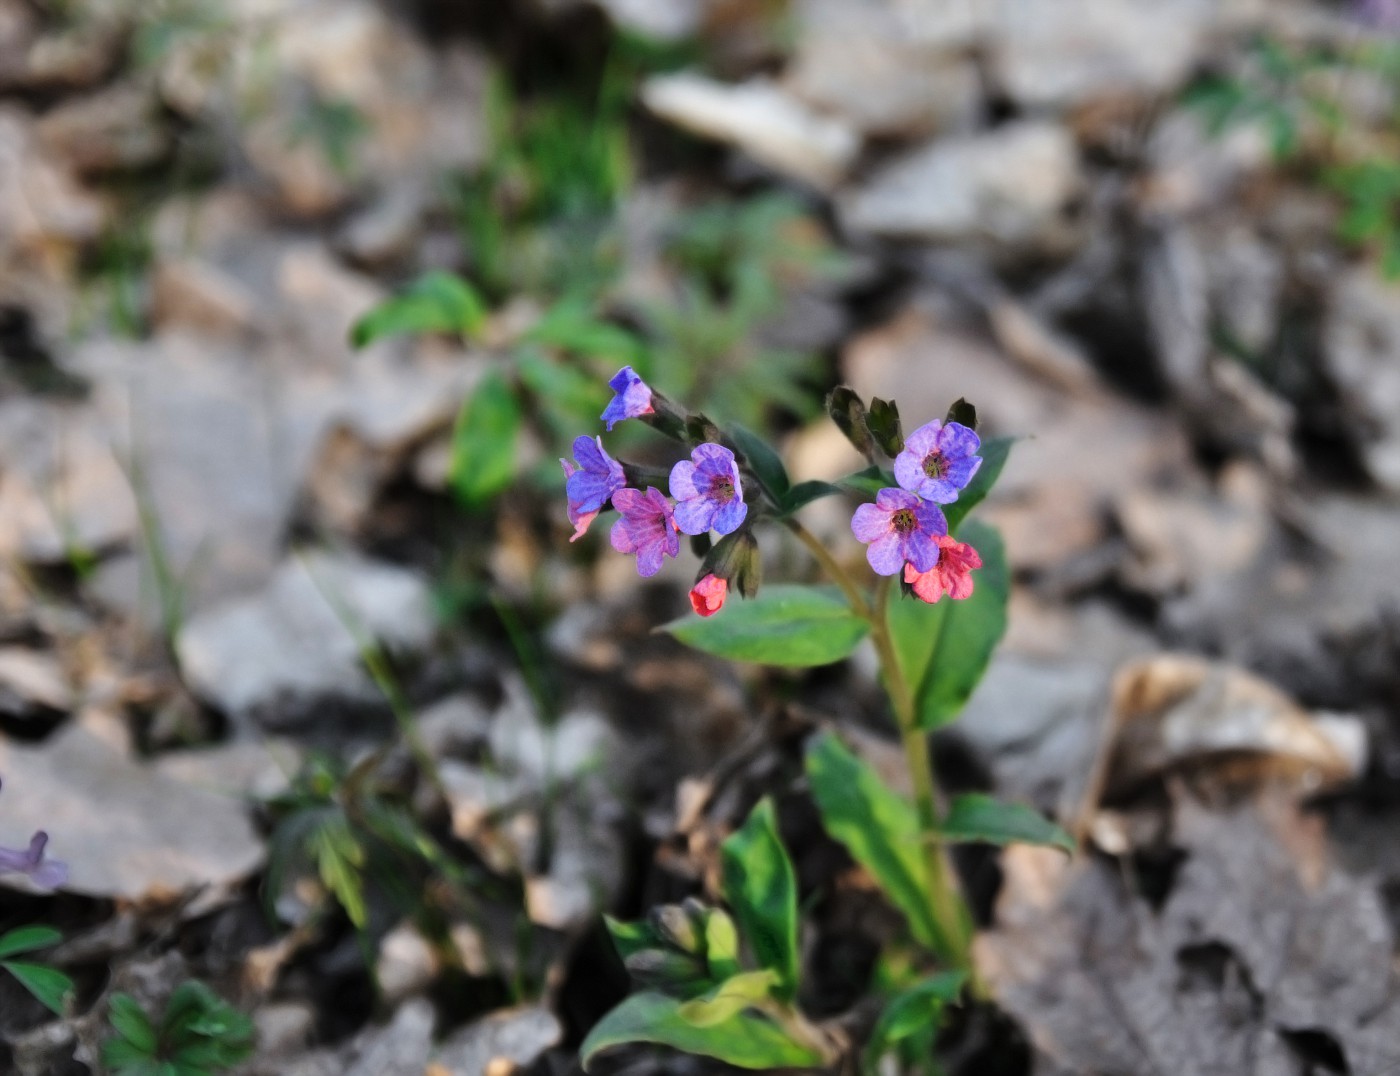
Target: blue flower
[707,491]
[898,528]
[938,460]
[633,397]
[646,528]
[590,483]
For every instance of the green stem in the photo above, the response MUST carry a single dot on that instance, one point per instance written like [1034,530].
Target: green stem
[950,917]
[949,913]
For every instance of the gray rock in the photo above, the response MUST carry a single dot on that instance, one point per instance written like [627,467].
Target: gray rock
[762,119]
[1010,185]
[1361,349]
[869,63]
[1049,53]
[32,679]
[116,128]
[297,643]
[519,1036]
[399,1049]
[125,829]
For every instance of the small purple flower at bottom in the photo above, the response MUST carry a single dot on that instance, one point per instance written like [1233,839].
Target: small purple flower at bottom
[590,483]
[938,460]
[647,528]
[707,491]
[633,397]
[45,873]
[899,527]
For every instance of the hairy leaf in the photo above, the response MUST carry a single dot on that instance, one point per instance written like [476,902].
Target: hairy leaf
[761,887]
[975,818]
[785,625]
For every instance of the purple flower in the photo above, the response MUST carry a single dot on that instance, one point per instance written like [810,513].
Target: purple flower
[707,491]
[899,527]
[938,460]
[633,397]
[647,527]
[590,483]
[45,873]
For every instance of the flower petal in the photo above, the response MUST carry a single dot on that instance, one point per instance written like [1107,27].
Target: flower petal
[683,481]
[695,516]
[870,522]
[730,516]
[884,554]
[919,549]
[957,441]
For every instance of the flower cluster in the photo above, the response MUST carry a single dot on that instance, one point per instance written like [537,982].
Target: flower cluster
[31,862]
[706,493]
[905,529]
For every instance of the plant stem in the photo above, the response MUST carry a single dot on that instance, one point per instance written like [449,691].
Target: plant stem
[950,917]
[949,912]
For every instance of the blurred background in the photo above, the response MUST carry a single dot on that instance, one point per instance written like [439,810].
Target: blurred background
[302,300]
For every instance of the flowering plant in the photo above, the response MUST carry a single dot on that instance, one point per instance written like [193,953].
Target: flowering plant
[932,652]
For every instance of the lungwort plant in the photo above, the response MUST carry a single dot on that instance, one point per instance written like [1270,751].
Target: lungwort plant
[931,598]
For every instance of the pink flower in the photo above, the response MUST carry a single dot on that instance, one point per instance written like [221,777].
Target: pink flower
[647,528]
[707,596]
[952,575]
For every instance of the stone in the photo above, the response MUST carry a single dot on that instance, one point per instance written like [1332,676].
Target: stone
[1049,54]
[1011,185]
[1361,352]
[44,212]
[519,1036]
[406,964]
[249,770]
[193,294]
[114,129]
[869,64]
[32,679]
[296,644]
[760,118]
[63,490]
[400,1048]
[126,830]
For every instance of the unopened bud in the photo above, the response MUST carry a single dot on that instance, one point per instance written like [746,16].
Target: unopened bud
[963,413]
[734,559]
[848,412]
[882,420]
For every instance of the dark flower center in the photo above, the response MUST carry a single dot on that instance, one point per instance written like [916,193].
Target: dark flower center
[904,521]
[722,488]
[935,466]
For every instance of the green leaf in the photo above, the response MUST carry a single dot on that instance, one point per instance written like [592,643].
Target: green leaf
[761,887]
[878,827]
[911,1011]
[734,995]
[484,457]
[975,818]
[745,1039]
[47,984]
[871,480]
[27,939]
[128,1059]
[994,453]
[629,938]
[785,625]
[435,302]
[944,648]
[339,858]
[762,460]
[721,945]
[804,493]
[130,1021]
[572,326]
